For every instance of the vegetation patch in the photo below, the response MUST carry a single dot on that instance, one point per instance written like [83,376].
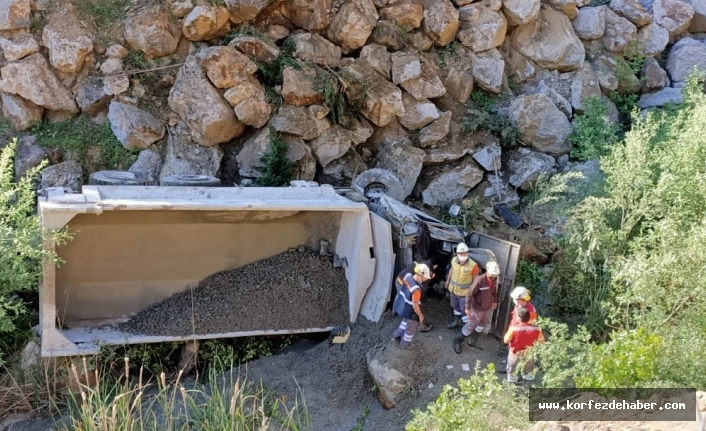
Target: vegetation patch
[449,51]
[277,169]
[21,252]
[107,16]
[482,113]
[593,133]
[337,87]
[94,146]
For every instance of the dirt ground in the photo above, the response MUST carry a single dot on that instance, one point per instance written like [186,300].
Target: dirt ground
[334,379]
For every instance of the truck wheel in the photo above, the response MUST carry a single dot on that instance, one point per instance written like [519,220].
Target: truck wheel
[116,178]
[375,182]
[191,180]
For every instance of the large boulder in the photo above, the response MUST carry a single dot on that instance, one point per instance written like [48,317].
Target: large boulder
[152,31]
[299,121]
[652,39]
[441,21]
[186,157]
[488,69]
[618,32]
[584,84]
[632,10]
[91,97]
[451,183]
[550,41]
[22,113]
[541,123]
[482,28]
[32,79]
[68,175]
[243,11]
[417,113]
[427,85]
[256,146]
[333,144]
[341,171]
[19,46]
[353,24]
[660,98]
[67,41]
[590,22]
[377,58]
[134,128]
[29,155]
[383,99]
[209,116]
[386,368]
[404,14]
[674,15]
[698,22]
[301,85]
[314,48]
[524,166]
[520,12]
[248,101]
[405,66]
[405,161]
[14,14]
[653,76]
[436,131]
[684,56]
[312,15]
[206,22]
[225,66]
[264,51]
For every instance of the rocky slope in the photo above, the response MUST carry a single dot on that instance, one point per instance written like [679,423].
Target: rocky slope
[233,73]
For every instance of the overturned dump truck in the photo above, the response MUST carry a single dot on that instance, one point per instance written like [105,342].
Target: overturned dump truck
[154,264]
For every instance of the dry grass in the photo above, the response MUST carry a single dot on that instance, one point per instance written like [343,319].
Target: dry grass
[27,391]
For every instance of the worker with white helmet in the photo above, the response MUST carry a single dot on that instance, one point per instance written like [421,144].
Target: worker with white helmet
[407,304]
[521,297]
[481,300]
[461,274]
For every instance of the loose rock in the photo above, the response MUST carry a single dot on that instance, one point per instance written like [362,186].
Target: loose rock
[68,175]
[253,112]
[152,31]
[255,147]
[436,131]
[19,46]
[632,10]
[67,41]
[408,15]
[653,76]
[452,183]
[652,39]
[299,121]
[660,98]
[402,160]
[206,22]
[383,100]
[484,29]
[489,158]
[459,77]
[29,155]
[405,66]
[225,66]
[22,113]
[147,165]
[618,32]
[352,25]
[590,22]
[683,57]
[245,10]
[377,58]
[550,41]
[260,50]
[134,128]
[185,157]
[312,15]
[674,15]
[520,12]
[488,69]
[525,165]
[698,22]
[300,86]
[306,282]
[14,14]
[417,113]
[334,143]
[441,21]
[314,48]
[426,86]
[341,171]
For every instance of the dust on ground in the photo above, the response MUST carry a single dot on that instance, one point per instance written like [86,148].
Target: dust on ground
[334,381]
[291,290]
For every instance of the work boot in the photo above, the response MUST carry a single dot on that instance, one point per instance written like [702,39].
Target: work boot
[457,343]
[425,327]
[455,323]
[473,339]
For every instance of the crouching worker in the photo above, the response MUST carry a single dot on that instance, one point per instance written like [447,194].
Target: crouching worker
[519,338]
[481,300]
[407,304]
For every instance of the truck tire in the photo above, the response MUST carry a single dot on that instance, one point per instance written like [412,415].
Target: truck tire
[376,181]
[116,178]
[191,180]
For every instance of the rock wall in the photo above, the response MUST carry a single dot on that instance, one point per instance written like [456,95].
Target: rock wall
[408,66]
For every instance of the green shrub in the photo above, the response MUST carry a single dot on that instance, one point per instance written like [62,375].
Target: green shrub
[593,133]
[483,115]
[21,251]
[277,169]
[479,403]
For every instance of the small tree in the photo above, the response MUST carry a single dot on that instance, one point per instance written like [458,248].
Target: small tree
[277,169]
[21,251]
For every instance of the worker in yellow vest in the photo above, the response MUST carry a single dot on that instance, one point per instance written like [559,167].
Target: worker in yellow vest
[463,270]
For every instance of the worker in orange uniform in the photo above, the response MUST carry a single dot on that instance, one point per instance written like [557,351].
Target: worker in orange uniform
[521,297]
[481,300]
[520,338]
[461,274]
[407,304]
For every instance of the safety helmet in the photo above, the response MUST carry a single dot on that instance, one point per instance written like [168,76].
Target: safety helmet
[520,292]
[462,248]
[493,268]
[423,270]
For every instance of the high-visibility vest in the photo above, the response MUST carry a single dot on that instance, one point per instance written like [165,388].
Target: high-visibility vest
[522,336]
[462,276]
[403,304]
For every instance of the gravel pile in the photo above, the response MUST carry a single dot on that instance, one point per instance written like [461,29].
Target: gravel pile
[292,290]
